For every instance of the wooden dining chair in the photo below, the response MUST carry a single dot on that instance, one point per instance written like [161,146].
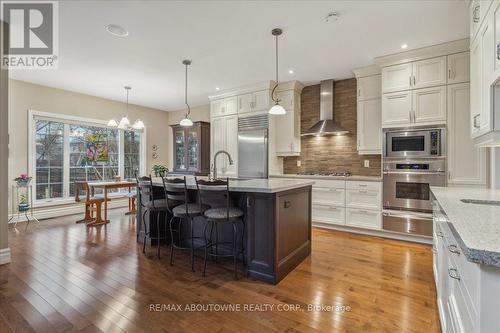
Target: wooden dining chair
[92,203]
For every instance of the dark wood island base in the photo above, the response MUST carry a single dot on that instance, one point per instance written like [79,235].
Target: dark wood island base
[277,235]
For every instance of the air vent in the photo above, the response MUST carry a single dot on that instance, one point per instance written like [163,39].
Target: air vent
[261,121]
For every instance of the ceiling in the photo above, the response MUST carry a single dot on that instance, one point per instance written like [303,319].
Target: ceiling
[230,43]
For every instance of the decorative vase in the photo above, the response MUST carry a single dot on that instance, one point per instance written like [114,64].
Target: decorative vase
[23,207]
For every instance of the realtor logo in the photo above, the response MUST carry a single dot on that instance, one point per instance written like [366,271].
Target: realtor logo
[31,40]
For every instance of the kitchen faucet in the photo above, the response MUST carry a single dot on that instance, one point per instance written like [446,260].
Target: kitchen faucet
[215,160]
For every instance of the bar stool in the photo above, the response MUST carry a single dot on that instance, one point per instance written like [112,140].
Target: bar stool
[181,209]
[151,205]
[218,215]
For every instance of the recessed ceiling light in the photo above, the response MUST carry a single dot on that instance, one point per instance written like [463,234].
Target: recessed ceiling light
[404,46]
[217,88]
[290,71]
[116,30]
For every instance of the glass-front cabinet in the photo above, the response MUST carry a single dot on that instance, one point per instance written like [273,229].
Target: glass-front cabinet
[191,148]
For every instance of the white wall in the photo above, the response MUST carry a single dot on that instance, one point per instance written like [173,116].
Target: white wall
[4,153]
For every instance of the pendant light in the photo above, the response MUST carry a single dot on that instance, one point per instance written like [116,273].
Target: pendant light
[186,122]
[124,122]
[277,109]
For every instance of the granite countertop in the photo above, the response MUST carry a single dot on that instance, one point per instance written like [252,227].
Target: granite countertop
[476,226]
[353,177]
[253,185]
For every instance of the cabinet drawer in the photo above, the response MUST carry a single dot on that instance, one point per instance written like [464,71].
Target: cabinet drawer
[363,218]
[331,195]
[461,314]
[328,214]
[329,183]
[359,185]
[363,199]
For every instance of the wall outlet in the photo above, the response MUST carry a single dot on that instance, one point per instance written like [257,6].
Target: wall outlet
[299,163]
[367,163]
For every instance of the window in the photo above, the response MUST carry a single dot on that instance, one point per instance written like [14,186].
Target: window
[70,149]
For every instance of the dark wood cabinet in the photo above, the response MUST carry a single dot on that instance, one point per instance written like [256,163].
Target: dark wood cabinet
[191,147]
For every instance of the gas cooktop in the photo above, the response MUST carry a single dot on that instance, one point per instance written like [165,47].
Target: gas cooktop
[325,173]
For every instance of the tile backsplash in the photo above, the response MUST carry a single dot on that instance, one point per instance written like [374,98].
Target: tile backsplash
[332,153]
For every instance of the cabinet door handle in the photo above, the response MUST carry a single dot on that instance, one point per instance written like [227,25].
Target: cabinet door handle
[498,51]
[414,80]
[476,121]
[287,204]
[410,81]
[453,249]
[475,17]
[453,273]
[439,234]
[449,73]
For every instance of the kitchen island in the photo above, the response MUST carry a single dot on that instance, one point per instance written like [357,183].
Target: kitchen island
[277,235]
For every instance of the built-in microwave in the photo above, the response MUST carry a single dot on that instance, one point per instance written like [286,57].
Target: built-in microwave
[421,143]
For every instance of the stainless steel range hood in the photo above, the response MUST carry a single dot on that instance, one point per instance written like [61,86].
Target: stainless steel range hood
[326,125]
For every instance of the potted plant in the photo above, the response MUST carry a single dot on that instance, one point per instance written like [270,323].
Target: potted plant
[23,180]
[23,205]
[159,170]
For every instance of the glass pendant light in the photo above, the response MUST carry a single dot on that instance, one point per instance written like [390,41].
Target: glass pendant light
[112,123]
[186,122]
[138,125]
[124,122]
[277,109]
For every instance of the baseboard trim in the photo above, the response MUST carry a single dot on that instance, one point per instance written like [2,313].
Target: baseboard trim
[56,211]
[378,233]
[4,256]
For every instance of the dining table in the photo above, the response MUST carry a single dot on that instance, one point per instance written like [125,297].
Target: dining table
[109,185]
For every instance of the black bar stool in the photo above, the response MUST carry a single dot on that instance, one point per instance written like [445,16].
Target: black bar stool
[181,209]
[224,214]
[153,205]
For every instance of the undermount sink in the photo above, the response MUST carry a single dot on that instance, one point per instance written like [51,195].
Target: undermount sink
[481,202]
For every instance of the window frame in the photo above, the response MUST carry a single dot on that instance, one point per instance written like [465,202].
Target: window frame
[34,115]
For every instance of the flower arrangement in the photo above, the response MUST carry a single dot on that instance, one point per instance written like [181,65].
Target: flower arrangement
[23,179]
[159,170]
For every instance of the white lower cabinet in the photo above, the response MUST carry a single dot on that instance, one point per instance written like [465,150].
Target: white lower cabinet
[325,213]
[468,293]
[353,203]
[365,218]
[225,137]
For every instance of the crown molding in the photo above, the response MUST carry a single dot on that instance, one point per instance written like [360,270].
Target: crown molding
[367,71]
[438,50]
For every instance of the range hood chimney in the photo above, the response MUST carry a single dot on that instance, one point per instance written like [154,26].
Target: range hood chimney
[326,125]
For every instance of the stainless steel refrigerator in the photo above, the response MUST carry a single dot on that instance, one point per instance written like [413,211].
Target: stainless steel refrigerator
[252,146]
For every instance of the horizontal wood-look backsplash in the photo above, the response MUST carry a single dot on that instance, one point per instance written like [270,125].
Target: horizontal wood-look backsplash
[332,153]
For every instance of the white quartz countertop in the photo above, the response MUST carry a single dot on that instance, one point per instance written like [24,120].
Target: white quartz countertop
[352,177]
[253,185]
[476,225]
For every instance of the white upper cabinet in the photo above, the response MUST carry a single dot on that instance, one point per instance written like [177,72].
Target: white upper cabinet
[261,100]
[369,87]
[466,162]
[244,102]
[397,78]
[369,126]
[287,127]
[482,68]
[369,110]
[429,73]
[396,109]
[223,107]
[429,105]
[458,68]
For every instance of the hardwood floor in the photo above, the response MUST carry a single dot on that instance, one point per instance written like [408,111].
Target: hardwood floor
[64,277]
